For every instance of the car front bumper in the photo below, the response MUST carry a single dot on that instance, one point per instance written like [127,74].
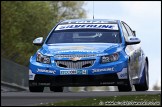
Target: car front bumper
[78,80]
[110,74]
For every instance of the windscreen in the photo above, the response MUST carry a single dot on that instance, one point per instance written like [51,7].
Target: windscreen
[84,36]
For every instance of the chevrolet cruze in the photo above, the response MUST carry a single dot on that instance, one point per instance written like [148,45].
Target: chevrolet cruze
[89,52]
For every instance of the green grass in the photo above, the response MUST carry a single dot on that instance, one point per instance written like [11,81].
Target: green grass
[147,100]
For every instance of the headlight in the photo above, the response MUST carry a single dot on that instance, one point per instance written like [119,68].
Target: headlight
[43,59]
[109,58]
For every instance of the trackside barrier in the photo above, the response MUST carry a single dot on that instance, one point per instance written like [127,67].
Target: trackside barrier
[13,86]
[12,72]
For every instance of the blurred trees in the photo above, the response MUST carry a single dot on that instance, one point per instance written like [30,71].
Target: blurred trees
[23,21]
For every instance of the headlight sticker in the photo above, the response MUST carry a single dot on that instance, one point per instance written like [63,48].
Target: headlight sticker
[110,58]
[42,58]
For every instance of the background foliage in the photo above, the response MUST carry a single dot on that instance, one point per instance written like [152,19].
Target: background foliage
[23,21]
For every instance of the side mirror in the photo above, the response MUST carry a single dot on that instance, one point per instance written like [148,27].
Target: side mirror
[38,41]
[134,32]
[133,40]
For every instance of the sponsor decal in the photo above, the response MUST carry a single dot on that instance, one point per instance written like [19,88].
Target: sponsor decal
[78,55]
[33,84]
[107,83]
[91,21]
[77,48]
[133,38]
[44,84]
[122,74]
[91,26]
[30,76]
[74,55]
[102,54]
[104,69]
[72,72]
[75,51]
[46,71]
[120,83]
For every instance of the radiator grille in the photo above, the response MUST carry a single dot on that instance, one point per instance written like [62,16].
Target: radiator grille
[75,64]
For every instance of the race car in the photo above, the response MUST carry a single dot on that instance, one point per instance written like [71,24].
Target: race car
[89,52]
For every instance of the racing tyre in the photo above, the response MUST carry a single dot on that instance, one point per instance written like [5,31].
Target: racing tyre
[36,88]
[56,89]
[129,86]
[145,85]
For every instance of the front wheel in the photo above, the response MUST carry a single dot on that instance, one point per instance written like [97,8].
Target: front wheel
[56,89]
[144,84]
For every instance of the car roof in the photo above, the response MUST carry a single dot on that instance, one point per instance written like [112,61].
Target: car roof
[76,21]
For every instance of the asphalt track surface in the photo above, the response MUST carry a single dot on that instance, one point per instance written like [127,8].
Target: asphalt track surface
[25,98]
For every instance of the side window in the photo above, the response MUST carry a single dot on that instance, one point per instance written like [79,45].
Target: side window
[130,33]
[124,31]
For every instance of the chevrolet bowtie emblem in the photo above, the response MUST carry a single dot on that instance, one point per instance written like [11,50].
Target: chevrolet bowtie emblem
[75,58]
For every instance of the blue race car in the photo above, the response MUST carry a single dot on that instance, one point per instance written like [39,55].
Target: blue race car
[89,52]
